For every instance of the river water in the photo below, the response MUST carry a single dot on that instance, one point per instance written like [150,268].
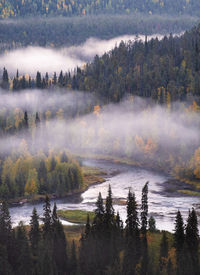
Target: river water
[161,205]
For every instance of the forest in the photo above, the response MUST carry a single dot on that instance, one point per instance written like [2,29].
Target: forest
[136,248]
[68,31]
[23,8]
[163,73]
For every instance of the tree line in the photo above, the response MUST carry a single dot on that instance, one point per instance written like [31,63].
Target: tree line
[24,8]
[59,32]
[105,247]
[29,175]
[166,70]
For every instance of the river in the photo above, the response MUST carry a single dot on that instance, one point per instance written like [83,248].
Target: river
[162,205]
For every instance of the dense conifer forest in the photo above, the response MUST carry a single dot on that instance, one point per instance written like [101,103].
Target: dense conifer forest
[67,31]
[23,8]
[106,245]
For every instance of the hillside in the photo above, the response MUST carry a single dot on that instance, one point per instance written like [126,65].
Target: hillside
[23,8]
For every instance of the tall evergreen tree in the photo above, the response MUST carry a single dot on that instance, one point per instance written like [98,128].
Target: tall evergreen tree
[192,242]
[144,209]
[34,233]
[25,120]
[24,262]
[59,244]
[38,80]
[109,210]
[132,247]
[5,224]
[47,227]
[5,79]
[179,240]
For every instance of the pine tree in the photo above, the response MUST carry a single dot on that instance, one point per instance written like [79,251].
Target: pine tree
[109,211]
[144,222]
[47,227]
[192,242]
[38,80]
[5,79]
[24,262]
[59,243]
[5,224]
[34,233]
[144,209]
[132,221]
[25,120]
[152,224]
[37,119]
[132,246]
[99,215]
[179,239]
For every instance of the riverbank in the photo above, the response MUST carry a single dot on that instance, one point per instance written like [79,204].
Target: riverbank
[91,176]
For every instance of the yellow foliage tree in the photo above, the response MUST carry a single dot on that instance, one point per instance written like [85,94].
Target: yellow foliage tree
[31,186]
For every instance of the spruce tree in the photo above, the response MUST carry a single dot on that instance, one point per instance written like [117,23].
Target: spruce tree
[34,233]
[99,214]
[109,211]
[144,223]
[38,80]
[37,119]
[5,224]
[192,242]
[25,120]
[59,243]
[132,245]
[152,224]
[47,227]
[179,240]
[5,79]
[24,262]
[144,209]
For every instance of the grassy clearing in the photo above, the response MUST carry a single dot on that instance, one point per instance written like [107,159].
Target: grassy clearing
[75,216]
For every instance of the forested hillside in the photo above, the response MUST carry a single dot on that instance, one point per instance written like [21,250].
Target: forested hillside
[23,8]
[65,31]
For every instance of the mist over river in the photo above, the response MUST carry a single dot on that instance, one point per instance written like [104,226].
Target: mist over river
[161,205]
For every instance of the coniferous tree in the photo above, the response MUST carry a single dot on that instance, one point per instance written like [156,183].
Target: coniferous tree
[25,120]
[24,262]
[192,242]
[47,227]
[152,224]
[37,119]
[109,211]
[144,223]
[5,79]
[59,243]
[5,224]
[132,246]
[34,233]
[99,214]
[179,240]
[144,209]
[38,80]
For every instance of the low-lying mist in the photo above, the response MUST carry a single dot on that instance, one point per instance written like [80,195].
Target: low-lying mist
[31,59]
[135,128]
